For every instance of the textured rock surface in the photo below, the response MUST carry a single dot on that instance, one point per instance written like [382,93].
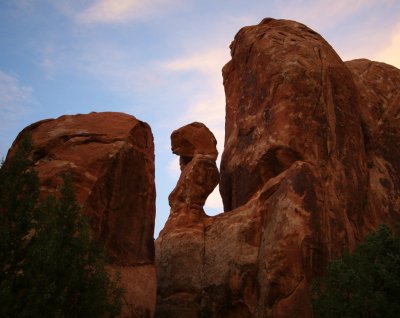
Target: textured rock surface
[180,244]
[310,166]
[379,85]
[193,139]
[110,157]
[293,108]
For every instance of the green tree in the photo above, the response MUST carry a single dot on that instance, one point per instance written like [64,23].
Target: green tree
[18,196]
[365,283]
[50,266]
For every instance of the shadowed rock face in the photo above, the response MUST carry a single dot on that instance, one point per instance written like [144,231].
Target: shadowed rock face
[310,165]
[110,157]
[293,108]
[378,84]
[180,245]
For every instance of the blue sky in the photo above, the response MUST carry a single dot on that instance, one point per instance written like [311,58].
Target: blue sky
[159,60]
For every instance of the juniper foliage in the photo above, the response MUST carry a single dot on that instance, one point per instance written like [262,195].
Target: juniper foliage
[49,265]
[365,283]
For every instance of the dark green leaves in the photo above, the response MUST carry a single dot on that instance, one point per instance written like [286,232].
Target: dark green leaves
[49,265]
[365,283]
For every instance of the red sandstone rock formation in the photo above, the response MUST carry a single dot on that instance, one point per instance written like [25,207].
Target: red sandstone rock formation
[310,165]
[194,139]
[180,244]
[110,157]
[378,85]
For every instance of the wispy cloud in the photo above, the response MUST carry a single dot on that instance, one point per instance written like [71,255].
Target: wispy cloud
[327,13]
[117,11]
[15,99]
[13,96]
[391,53]
[174,169]
[208,102]
[214,203]
[207,62]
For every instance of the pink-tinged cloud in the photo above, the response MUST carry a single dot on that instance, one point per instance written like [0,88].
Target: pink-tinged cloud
[117,11]
[322,14]
[391,53]
[208,103]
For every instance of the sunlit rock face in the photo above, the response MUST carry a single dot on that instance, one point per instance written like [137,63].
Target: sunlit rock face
[110,158]
[310,165]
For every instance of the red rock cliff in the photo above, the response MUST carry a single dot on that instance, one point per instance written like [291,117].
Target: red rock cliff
[110,157]
[378,85]
[310,165]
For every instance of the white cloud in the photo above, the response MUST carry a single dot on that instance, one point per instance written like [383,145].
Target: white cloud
[214,202]
[174,168]
[391,53]
[208,107]
[208,102]
[13,96]
[117,11]
[209,62]
[14,105]
[322,14]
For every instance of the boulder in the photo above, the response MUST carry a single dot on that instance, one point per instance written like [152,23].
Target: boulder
[191,140]
[110,158]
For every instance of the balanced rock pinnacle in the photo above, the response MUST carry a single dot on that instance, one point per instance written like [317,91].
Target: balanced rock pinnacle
[179,252]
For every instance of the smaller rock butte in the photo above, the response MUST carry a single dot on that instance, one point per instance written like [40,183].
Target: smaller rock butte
[110,157]
[310,165]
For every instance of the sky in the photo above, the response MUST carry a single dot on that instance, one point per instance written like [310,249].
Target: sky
[159,60]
